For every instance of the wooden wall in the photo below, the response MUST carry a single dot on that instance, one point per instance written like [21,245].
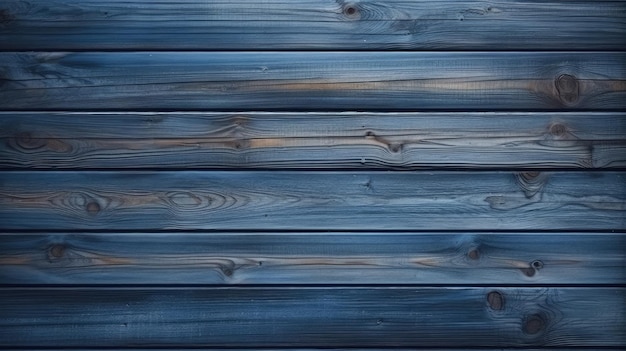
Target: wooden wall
[286,174]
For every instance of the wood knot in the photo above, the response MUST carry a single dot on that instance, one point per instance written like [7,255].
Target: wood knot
[351,11]
[532,268]
[93,207]
[567,87]
[536,264]
[533,324]
[557,129]
[6,17]
[183,199]
[238,144]
[495,299]
[528,271]
[473,254]
[395,147]
[26,141]
[530,175]
[531,182]
[153,119]
[55,252]
[240,120]
[24,138]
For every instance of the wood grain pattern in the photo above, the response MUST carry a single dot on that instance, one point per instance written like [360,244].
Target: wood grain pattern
[312,200]
[312,258]
[312,81]
[313,317]
[312,24]
[277,140]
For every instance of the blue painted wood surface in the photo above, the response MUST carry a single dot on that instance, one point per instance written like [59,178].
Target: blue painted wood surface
[316,317]
[313,200]
[313,81]
[305,258]
[281,174]
[306,140]
[312,25]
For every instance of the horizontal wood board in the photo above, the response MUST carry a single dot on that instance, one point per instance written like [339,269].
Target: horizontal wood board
[313,200]
[312,258]
[312,24]
[313,317]
[313,81]
[284,140]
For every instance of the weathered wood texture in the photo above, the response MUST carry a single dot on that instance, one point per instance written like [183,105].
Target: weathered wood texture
[311,24]
[313,317]
[172,176]
[312,140]
[312,200]
[313,81]
[312,258]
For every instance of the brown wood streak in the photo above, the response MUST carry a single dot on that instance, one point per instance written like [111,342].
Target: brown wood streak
[181,80]
[544,88]
[300,140]
[210,200]
[307,258]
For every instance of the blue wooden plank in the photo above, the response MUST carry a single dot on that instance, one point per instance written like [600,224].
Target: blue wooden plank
[312,24]
[312,258]
[313,317]
[313,81]
[213,140]
[313,200]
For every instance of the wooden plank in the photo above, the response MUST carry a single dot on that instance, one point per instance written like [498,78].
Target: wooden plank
[312,200]
[312,24]
[313,81]
[312,140]
[313,317]
[312,258]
